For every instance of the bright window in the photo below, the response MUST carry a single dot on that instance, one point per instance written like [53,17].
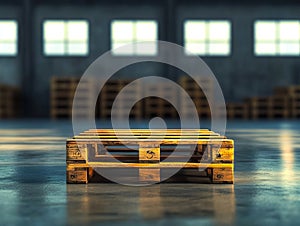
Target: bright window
[132,32]
[275,38]
[207,38]
[8,38]
[66,38]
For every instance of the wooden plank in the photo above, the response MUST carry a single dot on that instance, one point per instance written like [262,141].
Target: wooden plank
[222,154]
[164,141]
[149,175]
[76,153]
[77,175]
[153,165]
[222,175]
[149,153]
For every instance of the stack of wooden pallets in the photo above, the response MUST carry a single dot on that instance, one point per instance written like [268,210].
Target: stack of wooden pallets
[160,107]
[107,97]
[278,107]
[9,101]
[62,95]
[283,104]
[197,94]
[291,94]
[258,107]
[237,111]
[150,154]
[269,107]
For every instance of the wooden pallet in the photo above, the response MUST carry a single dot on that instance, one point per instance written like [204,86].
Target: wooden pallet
[62,93]
[197,95]
[9,101]
[237,111]
[149,157]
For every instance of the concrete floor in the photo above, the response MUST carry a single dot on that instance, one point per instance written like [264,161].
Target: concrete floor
[266,189]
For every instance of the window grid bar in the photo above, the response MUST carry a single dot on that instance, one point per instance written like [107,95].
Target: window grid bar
[66,41]
[7,41]
[134,38]
[207,41]
[277,38]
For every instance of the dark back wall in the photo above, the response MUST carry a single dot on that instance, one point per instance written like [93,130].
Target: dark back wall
[240,75]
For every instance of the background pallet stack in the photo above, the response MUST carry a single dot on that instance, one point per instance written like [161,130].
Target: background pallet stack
[292,93]
[62,94]
[107,97]
[9,102]
[237,111]
[160,107]
[278,107]
[258,107]
[196,93]
[283,104]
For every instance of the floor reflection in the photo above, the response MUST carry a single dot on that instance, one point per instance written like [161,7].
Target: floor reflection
[115,203]
[287,155]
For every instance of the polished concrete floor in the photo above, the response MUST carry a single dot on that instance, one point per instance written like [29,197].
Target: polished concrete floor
[266,190]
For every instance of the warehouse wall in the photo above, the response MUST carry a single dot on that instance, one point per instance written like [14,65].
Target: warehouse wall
[99,18]
[240,75]
[243,74]
[10,72]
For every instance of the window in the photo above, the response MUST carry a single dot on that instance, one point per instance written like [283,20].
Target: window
[273,38]
[131,32]
[66,38]
[207,38]
[8,38]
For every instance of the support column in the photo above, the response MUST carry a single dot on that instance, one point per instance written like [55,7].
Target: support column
[27,56]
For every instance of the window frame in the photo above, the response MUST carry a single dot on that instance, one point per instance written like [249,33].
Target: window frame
[65,42]
[134,21]
[277,40]
[16,42]
[207,41]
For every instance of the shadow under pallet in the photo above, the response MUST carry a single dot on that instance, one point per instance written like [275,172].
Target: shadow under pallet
[145,156]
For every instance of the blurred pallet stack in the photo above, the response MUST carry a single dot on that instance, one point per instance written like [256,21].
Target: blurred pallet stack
[258,107]
[292,94]
[237,111]
[112,90]
[109,94]
[9,102]
[62,94]
[197,94]
[279,107]
[283,104]
[154,106]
